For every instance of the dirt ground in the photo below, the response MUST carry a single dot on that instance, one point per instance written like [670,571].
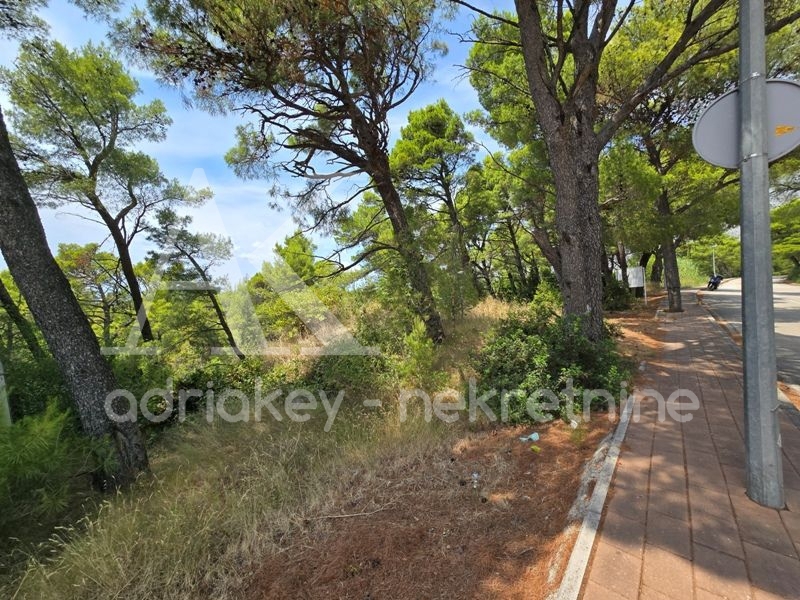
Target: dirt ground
[791,394]
[484,517]
[640,330]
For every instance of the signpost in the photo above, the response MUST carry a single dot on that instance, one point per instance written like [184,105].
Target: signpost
[762,434]
[761,121]
[636,278]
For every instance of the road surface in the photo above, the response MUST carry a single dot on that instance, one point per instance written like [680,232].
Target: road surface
[726,302]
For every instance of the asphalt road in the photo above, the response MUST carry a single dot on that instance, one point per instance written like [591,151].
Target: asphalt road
[726,302]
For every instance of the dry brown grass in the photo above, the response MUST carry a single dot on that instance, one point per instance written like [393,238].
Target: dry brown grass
[421,525]
[221,496]
[465,338]
[374,509]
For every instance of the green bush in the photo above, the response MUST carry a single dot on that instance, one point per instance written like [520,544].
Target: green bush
[358,375]
[380,327]
[416,365]
[45,466]
[616,295]
[534,350]
[32,383]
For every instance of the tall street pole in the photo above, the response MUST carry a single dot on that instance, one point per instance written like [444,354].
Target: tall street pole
[714,259]
[762,435]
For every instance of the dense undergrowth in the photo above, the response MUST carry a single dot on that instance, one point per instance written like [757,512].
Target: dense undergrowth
[221,495]
[537,364]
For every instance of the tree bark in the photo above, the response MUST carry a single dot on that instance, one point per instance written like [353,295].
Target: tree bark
[223,322]
[59,316]
[672,278]
[21,323]
[527,288]
[486,275]
[658,266]
[574,161]
[573,149]
[548,250]
[457,227]
[623,263]
[107,316]
[5,407]
[9,338]
[644,260]
[212,295]
[404,239]
[126,263]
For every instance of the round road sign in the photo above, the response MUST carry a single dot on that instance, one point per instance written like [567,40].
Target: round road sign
[716,133]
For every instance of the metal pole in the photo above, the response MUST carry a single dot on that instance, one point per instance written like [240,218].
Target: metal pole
[714,259]
[762,437]
[5,409]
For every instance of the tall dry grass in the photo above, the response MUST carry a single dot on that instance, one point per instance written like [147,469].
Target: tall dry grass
[221,497]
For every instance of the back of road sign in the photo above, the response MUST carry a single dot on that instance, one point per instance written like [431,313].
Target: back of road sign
[716,133]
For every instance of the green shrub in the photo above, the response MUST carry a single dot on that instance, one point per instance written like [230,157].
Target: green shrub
[32,383]
[535,350]
[45,467]
[548,298]
[616,295]
[416,365]
[356,374]
[380,327]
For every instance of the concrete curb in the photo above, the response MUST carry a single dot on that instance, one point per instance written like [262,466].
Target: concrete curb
[734,333]
[789,409]
[572,582]
[786,406]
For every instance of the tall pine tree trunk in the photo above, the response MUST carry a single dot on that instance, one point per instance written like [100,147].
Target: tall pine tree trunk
[672,277]
[658,266]
[5,407]
[212,296]
[21,323]
[59,316]
[573,157]
[573,150]
[407,246]
[623,263]
[460,239]
[126,264]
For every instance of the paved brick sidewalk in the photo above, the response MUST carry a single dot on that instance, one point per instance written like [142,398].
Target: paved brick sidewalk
[678,524]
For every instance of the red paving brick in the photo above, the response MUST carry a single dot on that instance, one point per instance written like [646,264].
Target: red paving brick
[678,523]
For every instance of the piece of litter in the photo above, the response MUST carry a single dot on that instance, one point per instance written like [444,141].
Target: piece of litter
[475,477]
[534,437]
[573,423]
[536,449]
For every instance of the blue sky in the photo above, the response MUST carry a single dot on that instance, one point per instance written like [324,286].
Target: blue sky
[196,143]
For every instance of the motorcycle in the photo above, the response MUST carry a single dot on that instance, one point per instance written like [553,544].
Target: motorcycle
[714,281]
